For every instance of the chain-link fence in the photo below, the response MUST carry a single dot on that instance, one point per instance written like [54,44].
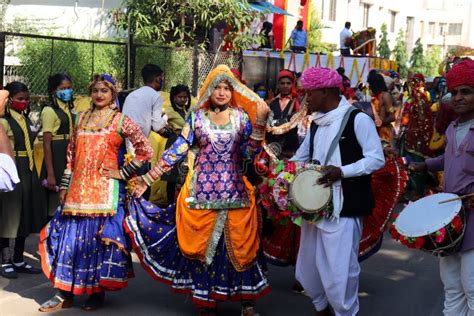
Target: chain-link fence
[32,58]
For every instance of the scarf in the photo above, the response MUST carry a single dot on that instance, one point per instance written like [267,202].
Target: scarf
[329,124]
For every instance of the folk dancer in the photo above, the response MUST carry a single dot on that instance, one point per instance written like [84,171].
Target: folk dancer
[83,248]
[207,244]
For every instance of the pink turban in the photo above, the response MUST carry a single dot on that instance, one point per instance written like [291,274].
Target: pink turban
[319,78]
[461,74]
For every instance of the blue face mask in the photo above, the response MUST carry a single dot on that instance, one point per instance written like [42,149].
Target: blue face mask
[64,95]
[262,94]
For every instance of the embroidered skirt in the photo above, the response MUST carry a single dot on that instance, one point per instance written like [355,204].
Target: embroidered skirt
[86,255]
[153,233]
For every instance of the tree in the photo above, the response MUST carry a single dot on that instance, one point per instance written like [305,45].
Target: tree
[182,22]
[383,47]
[315,34]
[417,60]
[433,59]
[400,53]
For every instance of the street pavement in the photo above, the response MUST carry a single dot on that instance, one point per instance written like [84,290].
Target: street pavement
[396,281]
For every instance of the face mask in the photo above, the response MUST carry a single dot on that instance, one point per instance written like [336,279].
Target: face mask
[64,95]
[262,94]
[19,106]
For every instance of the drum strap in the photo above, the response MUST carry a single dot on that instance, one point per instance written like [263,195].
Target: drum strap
[335,141]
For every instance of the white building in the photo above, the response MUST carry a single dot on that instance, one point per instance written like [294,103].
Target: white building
[446,23]
[71,18]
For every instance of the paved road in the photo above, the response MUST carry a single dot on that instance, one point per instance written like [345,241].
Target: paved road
[396,281]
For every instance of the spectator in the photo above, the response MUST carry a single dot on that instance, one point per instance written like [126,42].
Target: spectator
[299,38]
[261,90]
[267,33]
[346,35]
[144,105]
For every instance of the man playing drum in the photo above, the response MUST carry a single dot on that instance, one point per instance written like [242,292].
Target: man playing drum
[346,142]
[457,270]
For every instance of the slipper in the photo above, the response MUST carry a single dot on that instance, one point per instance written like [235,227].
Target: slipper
[25,268]
[7,271]
[94,302]
[56,303]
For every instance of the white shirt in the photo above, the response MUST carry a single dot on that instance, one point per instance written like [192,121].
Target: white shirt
[345,33]
[8,173]
[373,160]
[144,106]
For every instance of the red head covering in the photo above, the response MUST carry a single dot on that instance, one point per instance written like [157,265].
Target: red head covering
[419,77]
[461,74]
[288,74]
[238,75]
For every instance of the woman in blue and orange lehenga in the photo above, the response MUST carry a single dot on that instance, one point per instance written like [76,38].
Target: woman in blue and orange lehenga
[207,244]
[84,249]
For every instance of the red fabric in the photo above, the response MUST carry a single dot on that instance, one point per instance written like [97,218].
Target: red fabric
[238,75]
[278,25]
[419,77]
[461,74]
[281,246]
[388,185]
[445,116]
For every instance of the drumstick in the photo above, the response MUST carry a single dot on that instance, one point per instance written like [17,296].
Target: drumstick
[458,198]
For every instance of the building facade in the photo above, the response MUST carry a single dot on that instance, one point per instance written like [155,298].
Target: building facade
[445,23]
[72,18]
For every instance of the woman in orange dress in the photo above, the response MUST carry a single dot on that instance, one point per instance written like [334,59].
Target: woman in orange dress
[207,244]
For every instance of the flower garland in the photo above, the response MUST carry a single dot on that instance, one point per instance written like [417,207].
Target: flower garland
[274,194]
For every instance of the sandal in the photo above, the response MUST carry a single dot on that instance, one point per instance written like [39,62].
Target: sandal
[25,268]
[7,271]
[297,288]
[94,302]
[56,303]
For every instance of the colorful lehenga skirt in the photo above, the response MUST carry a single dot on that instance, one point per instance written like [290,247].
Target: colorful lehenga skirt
[154,237]
[86,255]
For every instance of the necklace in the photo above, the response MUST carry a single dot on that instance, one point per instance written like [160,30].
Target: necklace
[217,110]
[221,140]
[96,127]
[101,113]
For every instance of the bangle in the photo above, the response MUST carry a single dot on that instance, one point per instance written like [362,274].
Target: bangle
[128,170]
[147,180]
[260,122]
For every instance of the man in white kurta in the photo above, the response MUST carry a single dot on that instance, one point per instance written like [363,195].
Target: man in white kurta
[327,264]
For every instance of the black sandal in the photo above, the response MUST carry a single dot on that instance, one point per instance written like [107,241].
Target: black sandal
[56,303]
[25,268]
[94,302]
[7,271]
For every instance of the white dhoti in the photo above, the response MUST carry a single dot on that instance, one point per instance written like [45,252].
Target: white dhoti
[457,274]
[327,265]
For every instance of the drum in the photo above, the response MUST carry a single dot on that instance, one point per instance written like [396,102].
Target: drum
[429,225]
[306,193]
[290,192]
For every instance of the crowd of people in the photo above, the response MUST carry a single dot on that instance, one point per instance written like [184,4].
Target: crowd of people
[188,203]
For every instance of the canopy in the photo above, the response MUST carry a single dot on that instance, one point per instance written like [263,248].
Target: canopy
[267,7]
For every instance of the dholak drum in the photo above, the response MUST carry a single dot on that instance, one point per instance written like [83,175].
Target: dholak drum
[309,196]
[429,225]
